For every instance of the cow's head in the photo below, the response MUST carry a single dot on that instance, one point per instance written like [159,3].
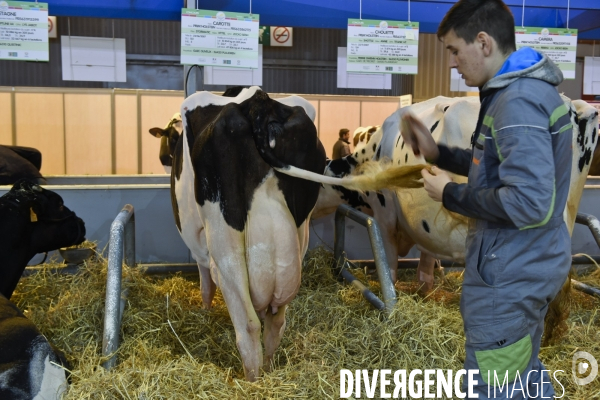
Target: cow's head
[168,139]
[32,220]
[42,215]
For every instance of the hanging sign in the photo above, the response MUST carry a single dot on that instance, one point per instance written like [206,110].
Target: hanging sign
[382,46]
[559,44]
[282,36]
[219,38]
[23,31]
[264,35]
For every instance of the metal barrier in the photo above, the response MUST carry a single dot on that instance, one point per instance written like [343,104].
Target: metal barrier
[121,245]
[383,271]
[591,222]
[122,248]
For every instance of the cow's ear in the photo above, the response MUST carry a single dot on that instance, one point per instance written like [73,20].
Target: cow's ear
[157,132]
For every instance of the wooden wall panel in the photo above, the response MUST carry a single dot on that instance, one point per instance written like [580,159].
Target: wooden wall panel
[374,113]
[40,124]
[126,134]
[336,115]
[433,78]
[157,111]
[88,134]
[5,119]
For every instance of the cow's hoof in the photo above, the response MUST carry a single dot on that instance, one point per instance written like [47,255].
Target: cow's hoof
[424,288]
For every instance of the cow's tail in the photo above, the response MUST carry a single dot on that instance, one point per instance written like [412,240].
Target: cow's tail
[267,129]
[375,177]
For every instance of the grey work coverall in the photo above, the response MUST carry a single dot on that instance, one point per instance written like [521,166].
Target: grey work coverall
[518,246]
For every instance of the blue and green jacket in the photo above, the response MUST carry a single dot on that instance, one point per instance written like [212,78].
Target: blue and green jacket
[520,160]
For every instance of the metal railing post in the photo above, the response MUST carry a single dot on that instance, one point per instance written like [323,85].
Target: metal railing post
[383,271]
[120,240]
[591,222]
[339,239]
[129,243]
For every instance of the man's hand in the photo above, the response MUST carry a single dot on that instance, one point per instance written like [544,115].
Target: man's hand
[435,183]
[417,136]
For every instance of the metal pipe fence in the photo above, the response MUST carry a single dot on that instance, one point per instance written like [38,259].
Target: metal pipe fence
[121,248]
[383,271]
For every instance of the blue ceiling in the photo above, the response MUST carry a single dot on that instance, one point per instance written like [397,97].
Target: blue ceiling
[584,15]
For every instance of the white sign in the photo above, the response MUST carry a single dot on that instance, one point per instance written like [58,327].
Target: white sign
[282,36]
[390,47]
[235,76]
[405,100]
[559,44]
[23,31]
[218,38]
[93,59]
[347,79]
[591,75]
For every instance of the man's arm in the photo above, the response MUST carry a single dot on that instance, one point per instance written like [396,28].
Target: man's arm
[454,159]
[526,172]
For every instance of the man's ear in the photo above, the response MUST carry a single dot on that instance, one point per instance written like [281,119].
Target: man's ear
[486,43]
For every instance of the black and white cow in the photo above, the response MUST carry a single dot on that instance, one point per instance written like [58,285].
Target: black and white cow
[239,217]
[17,162]
[240,212]
[32,220]
[170,136]
[30,367]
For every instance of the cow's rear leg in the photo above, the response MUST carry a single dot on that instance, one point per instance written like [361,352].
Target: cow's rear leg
[207,286]
[233,282]
[274,328]
[425,273]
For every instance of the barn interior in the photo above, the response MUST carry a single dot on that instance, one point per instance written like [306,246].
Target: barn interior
[97,154]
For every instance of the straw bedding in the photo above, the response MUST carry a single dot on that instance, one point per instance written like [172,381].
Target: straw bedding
[173,349]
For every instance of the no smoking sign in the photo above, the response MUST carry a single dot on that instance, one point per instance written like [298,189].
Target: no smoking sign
[281,36]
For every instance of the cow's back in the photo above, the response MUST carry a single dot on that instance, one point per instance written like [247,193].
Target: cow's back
[228,167]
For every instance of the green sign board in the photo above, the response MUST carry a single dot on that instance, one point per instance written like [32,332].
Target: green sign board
[264,35]
[23,31]
[382,46]
[218,38]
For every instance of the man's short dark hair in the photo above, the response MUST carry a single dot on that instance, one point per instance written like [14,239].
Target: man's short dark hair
[343,131]
[469,17]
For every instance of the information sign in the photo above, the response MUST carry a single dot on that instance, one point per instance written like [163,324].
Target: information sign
[23,31]
[559,44]
[382,46]
[219,38]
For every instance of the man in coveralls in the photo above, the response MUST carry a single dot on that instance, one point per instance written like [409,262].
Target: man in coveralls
[518,167]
